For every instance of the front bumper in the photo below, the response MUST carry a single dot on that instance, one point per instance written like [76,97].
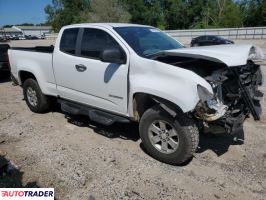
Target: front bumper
[240,93]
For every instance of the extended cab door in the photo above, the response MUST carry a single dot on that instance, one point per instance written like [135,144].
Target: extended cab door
[82,77]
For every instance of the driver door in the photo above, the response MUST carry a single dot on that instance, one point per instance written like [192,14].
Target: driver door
[84,78]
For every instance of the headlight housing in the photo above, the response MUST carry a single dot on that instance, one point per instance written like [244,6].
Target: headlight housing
[209,107]
[204,94]
[256,54]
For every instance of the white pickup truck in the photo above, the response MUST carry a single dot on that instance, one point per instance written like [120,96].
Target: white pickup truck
[125,72]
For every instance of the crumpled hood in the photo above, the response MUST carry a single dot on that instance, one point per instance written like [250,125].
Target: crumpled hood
[231,55]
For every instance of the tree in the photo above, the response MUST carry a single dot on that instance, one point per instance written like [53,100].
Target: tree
[176,14]
[165,14]
[230,15]
[106,11]
[254,12]
[64,12]
[7,26]
[149,12]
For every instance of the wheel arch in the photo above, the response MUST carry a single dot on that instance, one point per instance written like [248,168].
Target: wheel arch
[144,101]
[24,75]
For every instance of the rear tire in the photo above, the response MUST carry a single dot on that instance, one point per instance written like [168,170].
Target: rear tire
[180,134]
[35,99]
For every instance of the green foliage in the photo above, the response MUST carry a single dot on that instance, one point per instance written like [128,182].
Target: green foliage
[106,11]
[165,14]
[231,16]
[147,12]
[64,12]
[254,12]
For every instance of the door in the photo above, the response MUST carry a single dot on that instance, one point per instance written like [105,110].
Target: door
[82,77]
[203,41]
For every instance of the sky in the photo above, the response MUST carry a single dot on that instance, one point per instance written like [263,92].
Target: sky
[22,11]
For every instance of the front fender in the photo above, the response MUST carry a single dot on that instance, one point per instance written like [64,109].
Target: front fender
[172,83]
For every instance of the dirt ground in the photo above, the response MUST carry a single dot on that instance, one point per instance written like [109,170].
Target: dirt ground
[83,160]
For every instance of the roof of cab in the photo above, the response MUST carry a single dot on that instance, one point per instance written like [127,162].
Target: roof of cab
[107,25]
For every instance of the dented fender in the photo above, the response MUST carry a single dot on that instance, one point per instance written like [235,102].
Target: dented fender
[174,84]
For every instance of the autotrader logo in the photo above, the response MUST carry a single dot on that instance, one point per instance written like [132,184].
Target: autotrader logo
[27,193]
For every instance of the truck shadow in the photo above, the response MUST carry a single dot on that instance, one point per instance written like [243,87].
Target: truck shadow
[219,144]
[125,131]
[11,176]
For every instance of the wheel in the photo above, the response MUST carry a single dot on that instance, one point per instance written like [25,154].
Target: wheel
[168,139]
[35,99]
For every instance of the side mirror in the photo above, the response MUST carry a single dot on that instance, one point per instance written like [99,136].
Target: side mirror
[113,55]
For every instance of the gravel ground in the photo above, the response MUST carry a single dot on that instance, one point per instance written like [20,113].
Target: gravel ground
[84,160]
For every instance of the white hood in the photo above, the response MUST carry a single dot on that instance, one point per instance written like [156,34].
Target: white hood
[231,55]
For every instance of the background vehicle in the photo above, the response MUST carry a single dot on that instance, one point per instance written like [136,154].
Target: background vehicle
[41,37]
[14,37]
[21,37]
[34,37]
[31,37]
[208,40]
[124,72]
[27,37]
[4,63]
[4,39]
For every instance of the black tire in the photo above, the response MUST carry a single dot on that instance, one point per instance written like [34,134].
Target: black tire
[43,102]
[184,126]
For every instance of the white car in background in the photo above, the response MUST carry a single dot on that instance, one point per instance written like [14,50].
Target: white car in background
[21,37]
[126,72]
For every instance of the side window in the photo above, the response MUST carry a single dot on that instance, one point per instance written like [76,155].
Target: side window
[68,40]
[94,41]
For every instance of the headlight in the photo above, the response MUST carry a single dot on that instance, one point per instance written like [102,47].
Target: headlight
[209,108]
[206,97]
[204,94]
[256,54]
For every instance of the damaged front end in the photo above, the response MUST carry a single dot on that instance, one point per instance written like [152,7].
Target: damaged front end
[235,88]
[236,94]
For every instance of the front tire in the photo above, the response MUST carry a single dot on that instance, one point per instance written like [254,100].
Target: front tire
[168,139]
[35,99]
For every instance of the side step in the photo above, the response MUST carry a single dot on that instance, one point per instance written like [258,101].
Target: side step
[94,114]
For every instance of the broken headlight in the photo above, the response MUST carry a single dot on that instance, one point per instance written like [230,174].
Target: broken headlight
[204,94]
[256,54]
[209,107]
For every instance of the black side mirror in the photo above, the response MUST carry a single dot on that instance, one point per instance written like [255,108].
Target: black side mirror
[113,55]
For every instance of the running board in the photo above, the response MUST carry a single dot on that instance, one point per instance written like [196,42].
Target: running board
[94,114]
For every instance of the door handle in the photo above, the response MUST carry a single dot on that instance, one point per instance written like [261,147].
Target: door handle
[80,68]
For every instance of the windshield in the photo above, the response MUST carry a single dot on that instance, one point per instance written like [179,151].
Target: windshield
[147,40]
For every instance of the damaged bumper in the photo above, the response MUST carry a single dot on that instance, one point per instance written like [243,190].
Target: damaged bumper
[236,96]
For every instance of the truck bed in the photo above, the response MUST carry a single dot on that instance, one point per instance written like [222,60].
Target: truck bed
[36,60]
